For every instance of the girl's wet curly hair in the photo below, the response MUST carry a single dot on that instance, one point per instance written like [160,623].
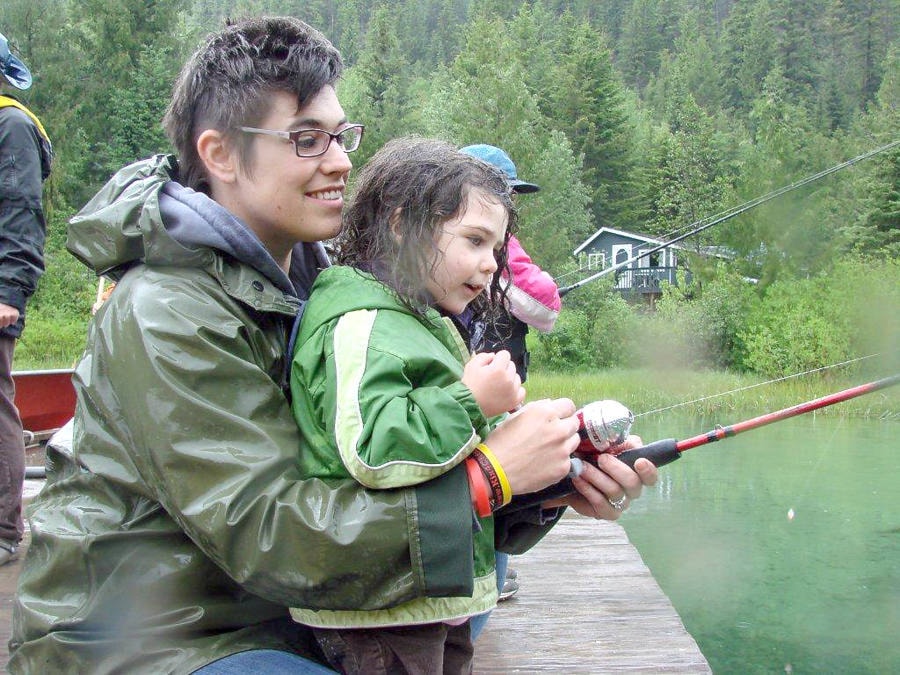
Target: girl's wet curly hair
[411,186]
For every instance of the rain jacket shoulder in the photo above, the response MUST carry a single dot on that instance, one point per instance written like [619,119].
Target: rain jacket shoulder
[378,396]
[177,529]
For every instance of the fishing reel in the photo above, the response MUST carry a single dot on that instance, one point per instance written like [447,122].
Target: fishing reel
[603,425]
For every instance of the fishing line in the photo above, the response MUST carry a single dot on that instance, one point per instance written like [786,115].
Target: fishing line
[578,270]
[753,386]
[702,225]
[806,488]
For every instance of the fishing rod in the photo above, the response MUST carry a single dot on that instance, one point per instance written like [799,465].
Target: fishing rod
[700,225]
[605,424]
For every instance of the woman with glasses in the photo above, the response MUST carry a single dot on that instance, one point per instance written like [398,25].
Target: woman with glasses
[174,530]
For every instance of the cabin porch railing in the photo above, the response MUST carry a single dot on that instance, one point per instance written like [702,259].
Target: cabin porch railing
[646,279]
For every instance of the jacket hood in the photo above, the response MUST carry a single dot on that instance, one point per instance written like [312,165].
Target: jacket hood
[143,215]
[339,291]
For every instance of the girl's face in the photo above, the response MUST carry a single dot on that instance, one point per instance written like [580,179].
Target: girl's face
[465,262]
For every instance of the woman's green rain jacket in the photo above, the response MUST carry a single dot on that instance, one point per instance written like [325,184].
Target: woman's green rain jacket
[177,530]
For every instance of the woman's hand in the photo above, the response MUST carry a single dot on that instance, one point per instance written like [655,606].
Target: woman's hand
[534,445]
[605,491]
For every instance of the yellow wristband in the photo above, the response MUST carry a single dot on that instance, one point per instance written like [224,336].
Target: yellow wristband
[501,475]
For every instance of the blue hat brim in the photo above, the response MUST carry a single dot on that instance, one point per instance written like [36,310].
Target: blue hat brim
[17,73]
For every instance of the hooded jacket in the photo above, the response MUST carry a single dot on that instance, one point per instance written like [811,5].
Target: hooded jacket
[533,296]
[177,529]
[25,156]
[378,397]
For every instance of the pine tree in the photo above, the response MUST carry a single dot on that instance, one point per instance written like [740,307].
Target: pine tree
[587,97]
[374,91]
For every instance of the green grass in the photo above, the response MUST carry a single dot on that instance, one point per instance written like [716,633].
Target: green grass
[698,392]
[50,342]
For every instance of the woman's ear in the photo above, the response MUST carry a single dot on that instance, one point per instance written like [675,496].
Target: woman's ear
[218,155]
[395,225]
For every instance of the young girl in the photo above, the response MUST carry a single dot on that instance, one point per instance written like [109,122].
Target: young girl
[385,391]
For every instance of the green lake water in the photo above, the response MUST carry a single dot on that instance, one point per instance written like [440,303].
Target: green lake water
[780,547]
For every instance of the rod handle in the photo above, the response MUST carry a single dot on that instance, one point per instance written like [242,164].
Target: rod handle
[659,452]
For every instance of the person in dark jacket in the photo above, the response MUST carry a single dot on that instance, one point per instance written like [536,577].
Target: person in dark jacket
[175,530]
[25,156]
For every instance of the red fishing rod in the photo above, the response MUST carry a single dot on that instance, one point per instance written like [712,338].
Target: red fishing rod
[668,450]
[605,423]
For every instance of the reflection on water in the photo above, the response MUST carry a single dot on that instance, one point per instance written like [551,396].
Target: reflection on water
[780,547]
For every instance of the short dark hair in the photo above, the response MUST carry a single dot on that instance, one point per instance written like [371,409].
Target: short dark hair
[229,79]
[415,184]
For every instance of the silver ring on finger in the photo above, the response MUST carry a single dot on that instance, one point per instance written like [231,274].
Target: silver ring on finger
[617,504]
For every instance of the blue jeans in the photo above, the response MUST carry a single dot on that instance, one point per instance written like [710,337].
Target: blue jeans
[477,623]
[268,661]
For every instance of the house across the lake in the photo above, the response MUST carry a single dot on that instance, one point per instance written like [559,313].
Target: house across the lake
[608,247]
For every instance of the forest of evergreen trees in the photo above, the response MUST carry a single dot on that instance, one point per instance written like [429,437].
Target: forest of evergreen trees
[643,115]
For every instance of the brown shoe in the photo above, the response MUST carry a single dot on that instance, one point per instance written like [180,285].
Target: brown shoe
[8,552]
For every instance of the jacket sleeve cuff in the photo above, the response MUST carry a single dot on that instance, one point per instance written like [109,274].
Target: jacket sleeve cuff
[519,530]
[13,296]
[466,399]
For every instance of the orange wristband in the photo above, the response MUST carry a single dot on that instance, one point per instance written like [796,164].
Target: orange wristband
[479,488]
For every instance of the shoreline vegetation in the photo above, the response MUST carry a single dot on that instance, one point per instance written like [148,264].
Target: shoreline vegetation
[702,393]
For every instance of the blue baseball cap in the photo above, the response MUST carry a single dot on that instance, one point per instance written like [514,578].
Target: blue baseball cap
[15,72]
[498,158]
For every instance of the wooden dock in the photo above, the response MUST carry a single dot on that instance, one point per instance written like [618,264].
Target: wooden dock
[586,604]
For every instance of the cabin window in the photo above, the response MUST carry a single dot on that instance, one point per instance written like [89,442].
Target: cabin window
[596,261]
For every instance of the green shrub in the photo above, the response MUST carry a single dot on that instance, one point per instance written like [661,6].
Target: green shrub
[705,322]
[846,312]
[58,313]
[67,288]
[593,331]
[567,347]
[50,342]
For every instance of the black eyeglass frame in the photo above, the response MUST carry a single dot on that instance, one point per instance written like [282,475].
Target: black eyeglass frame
[294,137]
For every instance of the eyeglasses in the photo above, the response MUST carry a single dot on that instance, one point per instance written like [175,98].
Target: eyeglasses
[315,142]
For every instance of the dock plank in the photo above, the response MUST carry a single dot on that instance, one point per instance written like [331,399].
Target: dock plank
[586,604]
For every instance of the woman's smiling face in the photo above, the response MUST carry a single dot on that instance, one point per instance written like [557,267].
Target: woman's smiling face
[286,199]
